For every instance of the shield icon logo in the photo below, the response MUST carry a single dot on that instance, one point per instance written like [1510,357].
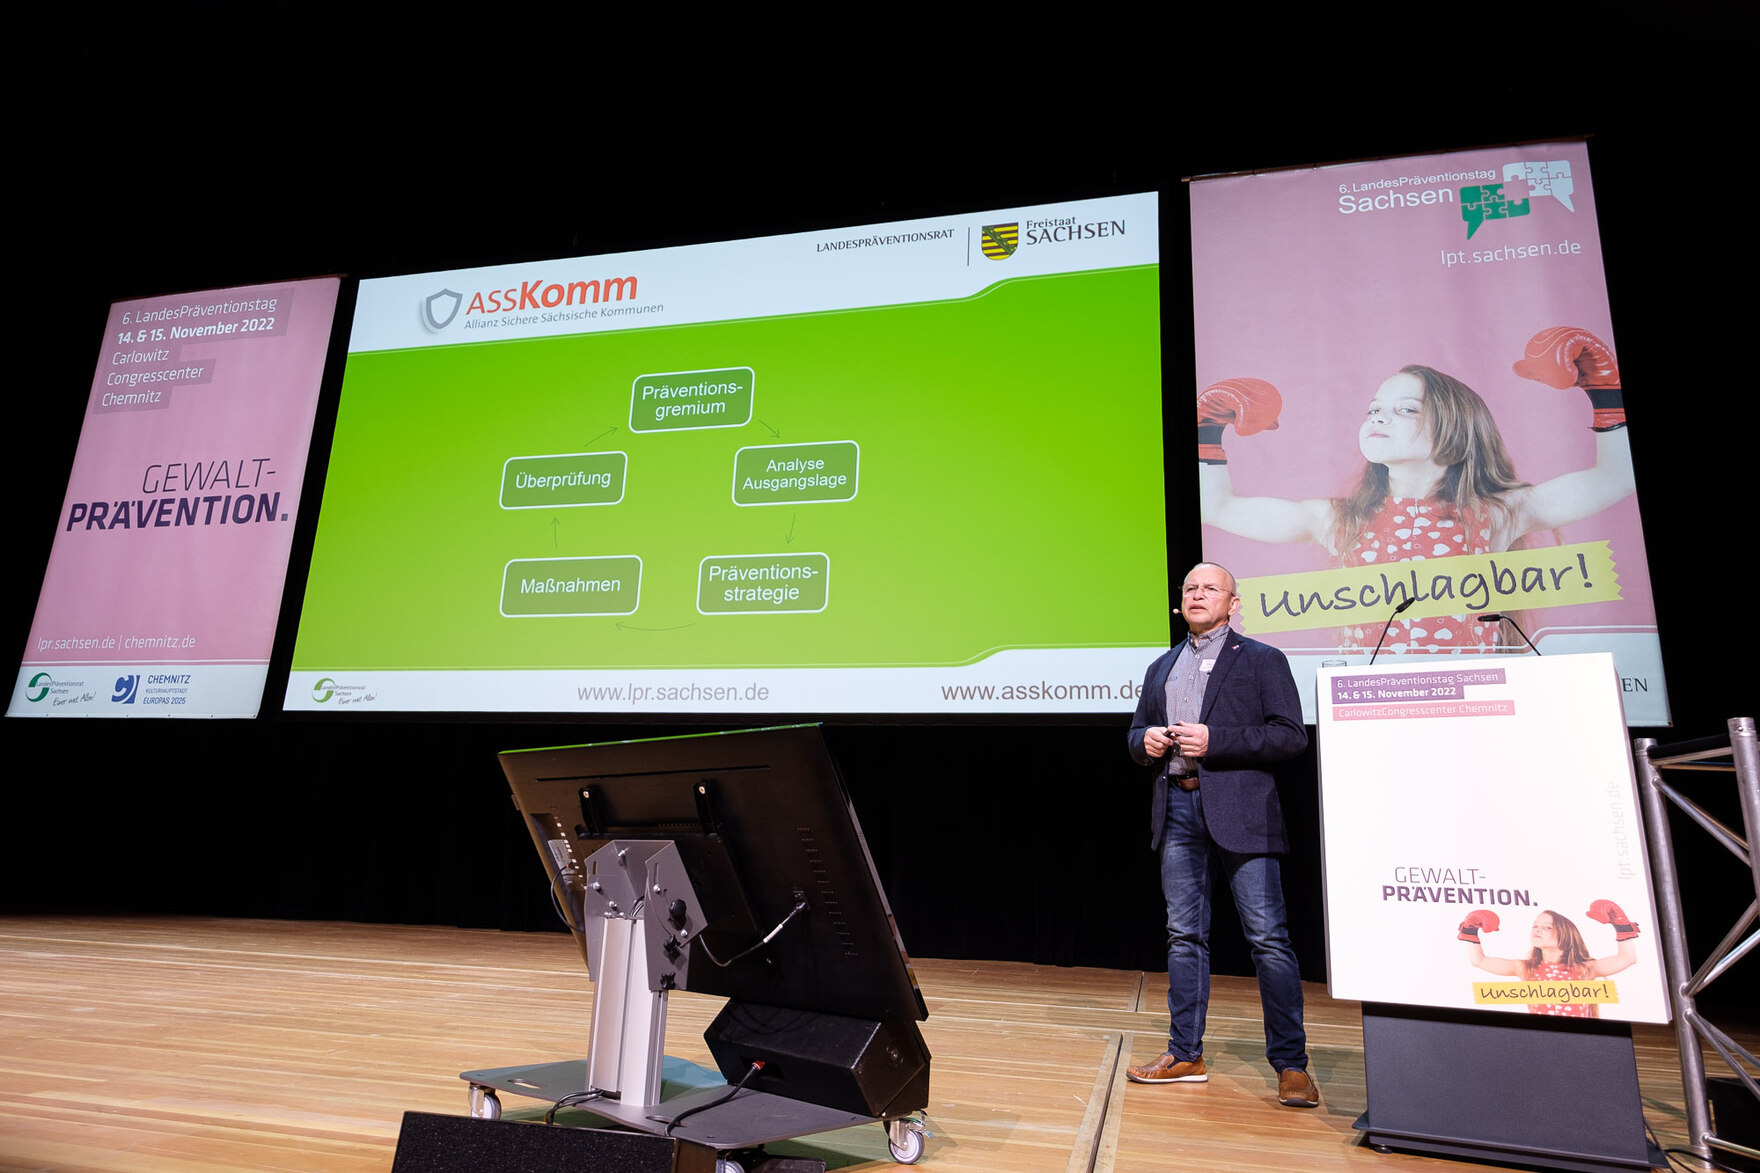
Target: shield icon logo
[1000,240]
[446,300]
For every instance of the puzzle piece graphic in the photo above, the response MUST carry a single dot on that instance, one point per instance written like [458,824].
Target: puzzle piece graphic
[1544,179]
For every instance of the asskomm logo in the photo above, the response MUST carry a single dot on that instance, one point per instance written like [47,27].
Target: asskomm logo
[441,308]
[438,309]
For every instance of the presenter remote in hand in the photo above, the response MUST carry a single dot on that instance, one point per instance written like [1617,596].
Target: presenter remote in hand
[1217,713]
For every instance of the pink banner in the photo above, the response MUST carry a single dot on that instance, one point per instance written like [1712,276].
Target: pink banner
[164,582]
[1411,360]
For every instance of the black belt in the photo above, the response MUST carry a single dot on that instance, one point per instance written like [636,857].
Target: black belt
[1184,781]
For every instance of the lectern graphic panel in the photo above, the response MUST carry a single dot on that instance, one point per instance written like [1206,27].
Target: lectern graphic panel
[1483,843]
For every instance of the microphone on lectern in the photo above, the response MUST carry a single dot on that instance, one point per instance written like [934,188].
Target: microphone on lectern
[1497,617]
[1409,600]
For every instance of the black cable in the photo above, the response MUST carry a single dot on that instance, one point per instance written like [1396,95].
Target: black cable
[757,1066]
[1671,1153]
[570,1100]
[801,903]
[556,904]
[558,891]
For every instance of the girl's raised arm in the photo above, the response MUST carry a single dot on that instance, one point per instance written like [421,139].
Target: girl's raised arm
[1563,357]
[1251,405]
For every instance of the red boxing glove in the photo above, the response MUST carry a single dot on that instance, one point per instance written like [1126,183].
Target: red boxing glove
[1566,356]
[1609,913]
[1479,920]
[1251,405]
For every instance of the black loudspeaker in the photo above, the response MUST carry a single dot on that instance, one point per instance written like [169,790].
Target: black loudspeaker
[430,1143]
[862,1065]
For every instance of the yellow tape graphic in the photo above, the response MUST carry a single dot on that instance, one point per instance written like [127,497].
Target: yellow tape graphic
[1556,576]
[1546,992]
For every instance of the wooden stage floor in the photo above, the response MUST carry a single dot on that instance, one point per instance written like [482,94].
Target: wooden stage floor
[224,1046]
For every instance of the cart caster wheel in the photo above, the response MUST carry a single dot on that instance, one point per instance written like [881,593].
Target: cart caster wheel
[485,1104]
[905,1139]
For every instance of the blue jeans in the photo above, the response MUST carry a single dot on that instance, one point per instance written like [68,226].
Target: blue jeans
[1190,863]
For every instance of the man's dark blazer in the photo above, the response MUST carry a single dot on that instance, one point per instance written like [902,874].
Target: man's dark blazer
[1255,720]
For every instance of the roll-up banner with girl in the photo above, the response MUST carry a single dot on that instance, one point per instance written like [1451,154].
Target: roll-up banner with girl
[1409,399]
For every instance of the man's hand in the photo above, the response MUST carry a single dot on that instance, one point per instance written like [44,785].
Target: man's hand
[1156,741]
[1191,739]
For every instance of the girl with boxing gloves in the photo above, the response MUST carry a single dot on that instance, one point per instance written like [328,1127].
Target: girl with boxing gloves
[1437,481]
[1558,952]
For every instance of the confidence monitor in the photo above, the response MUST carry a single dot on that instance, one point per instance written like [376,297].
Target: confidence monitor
[782,912]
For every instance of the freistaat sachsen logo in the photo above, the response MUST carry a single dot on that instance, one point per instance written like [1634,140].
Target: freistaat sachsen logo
[1000,240]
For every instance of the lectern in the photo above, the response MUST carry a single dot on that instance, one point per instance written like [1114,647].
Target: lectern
[1487,900]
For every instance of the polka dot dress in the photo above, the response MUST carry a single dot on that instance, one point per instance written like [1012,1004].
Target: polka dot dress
[1552,971]
[1407,529]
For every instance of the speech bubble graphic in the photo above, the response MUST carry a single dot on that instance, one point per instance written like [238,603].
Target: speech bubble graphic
[1487,202]
[1544,179]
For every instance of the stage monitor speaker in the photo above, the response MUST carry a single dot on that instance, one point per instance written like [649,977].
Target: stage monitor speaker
[866,1066]
[431,1143]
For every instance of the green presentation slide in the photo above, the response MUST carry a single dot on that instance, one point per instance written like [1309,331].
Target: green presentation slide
[899,468]
[920,484]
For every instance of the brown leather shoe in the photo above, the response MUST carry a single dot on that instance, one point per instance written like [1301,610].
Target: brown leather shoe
[1296,1090]
[1167,1069]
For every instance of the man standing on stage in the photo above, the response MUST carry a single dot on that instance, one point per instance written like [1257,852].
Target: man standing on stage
[1216,713]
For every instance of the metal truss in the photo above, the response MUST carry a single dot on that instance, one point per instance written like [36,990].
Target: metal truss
[1737,754]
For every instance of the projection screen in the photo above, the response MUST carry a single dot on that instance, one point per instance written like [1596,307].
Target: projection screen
[164,581]
[899,468]
[1431,414]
